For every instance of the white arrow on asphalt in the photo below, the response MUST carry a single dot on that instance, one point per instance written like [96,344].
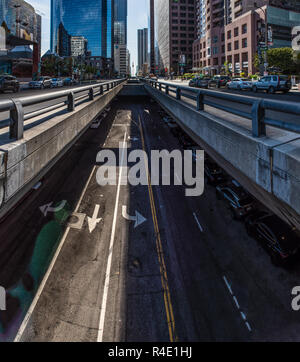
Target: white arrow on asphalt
[138,218]
[48,208]
[94,221]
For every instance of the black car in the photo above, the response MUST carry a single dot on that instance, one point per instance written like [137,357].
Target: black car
[203,83]
[213,173]
[240,202]
[8,82]
[219,81]
[277,237]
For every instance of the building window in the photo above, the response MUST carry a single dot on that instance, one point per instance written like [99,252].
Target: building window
[236,32]
[244,43]
[236,45]
[244,29]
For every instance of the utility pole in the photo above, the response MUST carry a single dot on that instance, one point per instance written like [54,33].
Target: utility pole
[266,36]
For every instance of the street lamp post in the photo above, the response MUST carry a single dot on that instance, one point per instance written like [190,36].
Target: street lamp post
[266,35]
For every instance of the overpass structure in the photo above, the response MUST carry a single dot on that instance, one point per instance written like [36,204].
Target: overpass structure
[255,140]
[40,130]
[245,135]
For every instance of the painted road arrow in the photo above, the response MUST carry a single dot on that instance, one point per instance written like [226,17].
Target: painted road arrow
[138,218]
[48,208]
[94,221]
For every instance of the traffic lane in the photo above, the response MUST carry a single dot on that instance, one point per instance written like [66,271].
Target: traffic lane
[36,92]
[72,312]
[29,240]
[203,309]
[262,291]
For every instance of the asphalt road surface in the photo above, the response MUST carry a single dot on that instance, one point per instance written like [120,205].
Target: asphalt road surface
[135,263]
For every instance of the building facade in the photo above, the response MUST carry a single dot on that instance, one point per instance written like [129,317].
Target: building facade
[142,41]
[231,33]
[174,34]
[120,36]
[78,46]
[20,26]
[84,18]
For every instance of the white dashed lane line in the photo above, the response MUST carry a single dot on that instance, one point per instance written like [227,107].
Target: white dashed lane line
[243,315]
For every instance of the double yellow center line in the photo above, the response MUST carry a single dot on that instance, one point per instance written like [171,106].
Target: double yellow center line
[162,265]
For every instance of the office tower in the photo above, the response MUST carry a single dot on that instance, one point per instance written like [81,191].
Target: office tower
[174,34]
[151,37]
[120,37]
[120,22]
[142,49]
[92,20]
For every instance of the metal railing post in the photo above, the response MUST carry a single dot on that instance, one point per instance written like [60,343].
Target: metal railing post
[16,128]
[258,116]
[71,102]
[167,89]
[101,89]
[91,94]
[159,86]
[178,93]
[200,101]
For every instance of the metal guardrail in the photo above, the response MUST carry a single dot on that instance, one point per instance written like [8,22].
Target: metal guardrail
[259,106]
[16,106]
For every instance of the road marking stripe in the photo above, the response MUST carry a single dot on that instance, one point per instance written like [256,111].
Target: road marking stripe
[243,315]
[46,276]
[162,265]
[198,222]
[110,250]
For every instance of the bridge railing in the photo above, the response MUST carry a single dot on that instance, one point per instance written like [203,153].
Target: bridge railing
[69,98]
[258,106]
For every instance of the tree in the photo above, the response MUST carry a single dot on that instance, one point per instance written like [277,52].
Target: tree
[282,58]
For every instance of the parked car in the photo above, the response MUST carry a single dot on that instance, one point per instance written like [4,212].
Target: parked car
[239,84]
[70,81]
[57,82]
[41,83]
[272,84]
[214,174]
[219,81]
[193,82]
[8,82]
[277,237]
[240,202]
[202,83]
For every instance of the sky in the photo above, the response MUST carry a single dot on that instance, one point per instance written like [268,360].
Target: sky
[137,18]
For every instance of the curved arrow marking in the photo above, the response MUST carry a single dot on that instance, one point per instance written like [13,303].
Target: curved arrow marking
[138,218]
[94,221]
[48,207]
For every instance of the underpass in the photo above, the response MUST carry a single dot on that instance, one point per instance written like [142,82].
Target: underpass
[182,271]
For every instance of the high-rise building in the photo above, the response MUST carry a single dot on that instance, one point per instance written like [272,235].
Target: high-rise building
[142,40]
[174,34]
[120,36]
[151,37]
[120,22]
[79,46]
[231,33]
[92,20]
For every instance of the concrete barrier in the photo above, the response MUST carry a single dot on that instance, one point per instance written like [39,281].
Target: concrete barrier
[269,167]
[24,162]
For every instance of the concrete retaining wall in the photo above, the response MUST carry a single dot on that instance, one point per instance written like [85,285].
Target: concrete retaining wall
[269,167]
[24,162]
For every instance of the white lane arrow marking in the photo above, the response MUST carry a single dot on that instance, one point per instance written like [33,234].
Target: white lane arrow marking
[138,218]
[94,221]
[48,208]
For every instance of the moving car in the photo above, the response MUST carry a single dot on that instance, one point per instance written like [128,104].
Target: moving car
[277,237]
[70,81]
[193,82]
[272,84]
[240,84]
[241,203]
[8,82]
[41,83]
[57,82]
[199,82]
[219,81]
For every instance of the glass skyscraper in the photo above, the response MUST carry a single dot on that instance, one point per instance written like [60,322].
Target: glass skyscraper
[92,20]
[120,22]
